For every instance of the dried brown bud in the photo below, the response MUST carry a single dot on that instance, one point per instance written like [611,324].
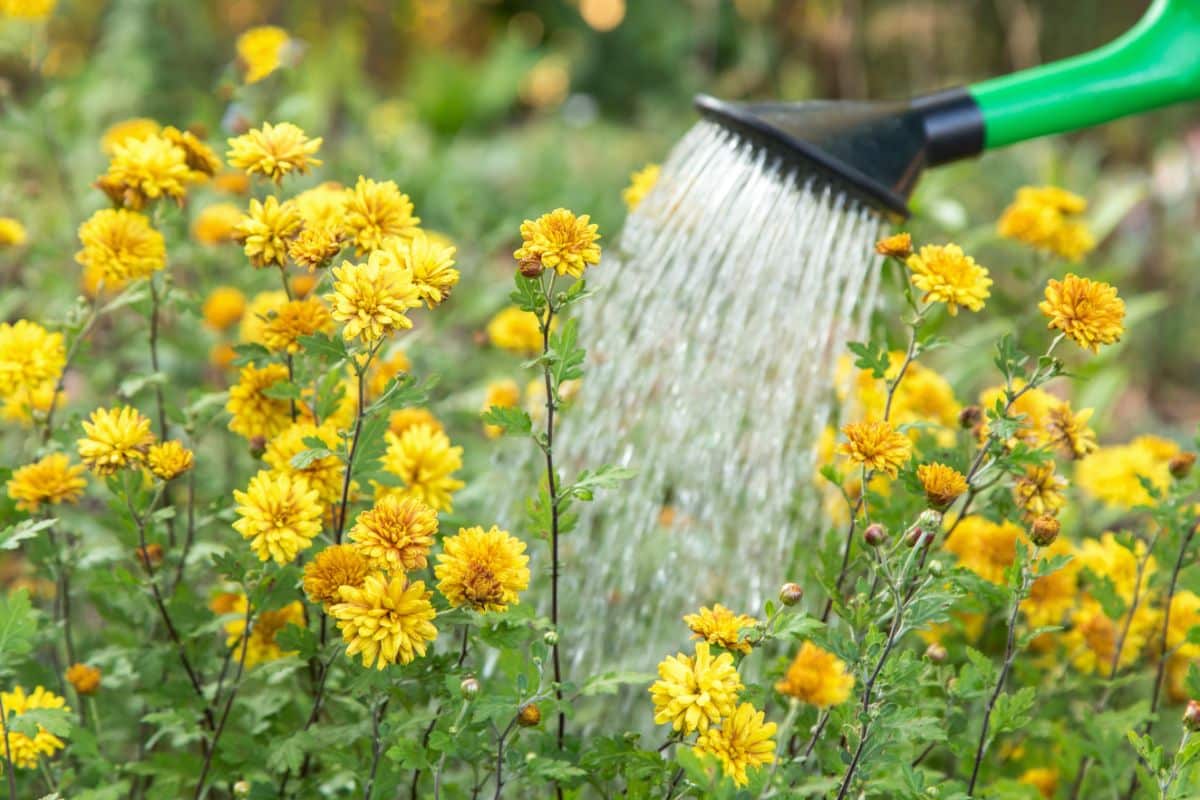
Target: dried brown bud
[1191,715]
[258,446]
[875,534]
[531,267]
[1044,530]
[1181,465]
[969,417]
[85,678]
[935,653]
[152,553]
[790,594]
[529,715]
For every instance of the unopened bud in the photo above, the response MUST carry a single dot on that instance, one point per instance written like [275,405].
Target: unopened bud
[258,446]
[898,246]
[935,653]
[935,568]
[916,536]
[550,638]
[151,554]
[469,688]
[241,789]
[1191,715]
[529,715]
[531,267]
[930,520]
[1044,530]
[1181,465]
[875,534]
[790,594]
[969,417]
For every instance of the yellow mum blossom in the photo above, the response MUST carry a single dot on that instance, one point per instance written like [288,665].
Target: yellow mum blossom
[12,232]
[942,484]
[1112,474]
[1044,218]
[265,230]
[561,242]
[949,276]
[168,460]
[116,438]
[985,547]
[1091,640]
[216,223]
[899,245]
[264,626]
[29,356]
[144,170]
[198,156]
[877,446]
[315,247]
[27,401]
[695,692]
[923,395]
[1106,557]
[816,677]
[721,627]
[323,206]
[274,151]
[254,413]
[388,620]
[425,462]
[325,475]
[1087,311]
[1070,431]
[1051,597]
[500,394]
[486,570]
[122,244]
[742,741]
[373,299]
[431,265]
[640,184]
[1044,779]
[84,678]
[261,51]
[334,567]
[134,129]
[279,514]
[1040,491]
[516,331]
[26,751]
[50,480]
[395,534]
[263,306]
[404,418]
[223,307]
[1185,616]
[281,332]
[376,210]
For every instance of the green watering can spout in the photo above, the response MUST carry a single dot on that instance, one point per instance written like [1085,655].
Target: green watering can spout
[876,151]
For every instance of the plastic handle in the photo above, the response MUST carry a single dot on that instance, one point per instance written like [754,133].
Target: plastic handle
[1155,63]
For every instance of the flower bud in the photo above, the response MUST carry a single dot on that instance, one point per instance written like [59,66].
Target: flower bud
[875,534]
[241,789]
[529,715]
[151,553]
[930,520]
[1044,530]
[1181,465]
[969,417]
[258,446]
[916,536]
[1191,716]
[935,653]
[469,688]
[790,594]
[935,568]
[550,638]
[531,267]
[898,246]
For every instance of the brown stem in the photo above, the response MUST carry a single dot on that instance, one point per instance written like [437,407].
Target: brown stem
[376,747]
[358,420]
[212,748]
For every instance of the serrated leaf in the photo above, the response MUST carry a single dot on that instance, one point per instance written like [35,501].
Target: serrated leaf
[305,458]
[16,626]
[511,421]
[12,536]
[323,345]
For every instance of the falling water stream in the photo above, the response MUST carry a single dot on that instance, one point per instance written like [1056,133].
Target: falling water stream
[712,341]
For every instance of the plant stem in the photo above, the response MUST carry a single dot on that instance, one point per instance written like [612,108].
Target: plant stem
[212,748]
[376,747]
[1010,652]
[1164,785]
[8,763]
[361,374]
[437,772]
[500,757]
[72,351]
[784,730]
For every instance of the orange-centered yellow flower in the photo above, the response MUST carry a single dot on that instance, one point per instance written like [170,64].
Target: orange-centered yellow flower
[942,484]
[121,244]
[376,210]
[279,514]
[388,620]
[720,626]
[876,445]
[334,567]
[947,275]
[50,480]
[485,570]
[396,534]
[561,242]
[265,231]
[373,299]
[1087,311]
[816,677]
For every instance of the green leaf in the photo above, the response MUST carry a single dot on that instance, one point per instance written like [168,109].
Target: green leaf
[305,458]
[302,641]
[605,477]
[12,536]
[1012,710]
[512,421]
[132,386]
[870,357]
[250,353]
[16,626]
[322,345]
[528,295]
[55,720]
[283,390]
[568,356]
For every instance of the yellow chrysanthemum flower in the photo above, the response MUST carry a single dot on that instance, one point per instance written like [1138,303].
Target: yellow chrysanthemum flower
[144,170]
[695,692]
[376,210]
[274,151]
[223,307]
[265,230]
[334,567]
[254,413]
[84,678]
[431,264]
[24,750]
[500,394]
[122,244]
[261,51]
[425,462]
[1044,779]
[516,331]
[134,129]
[314,248]
[50,480]
[898,245]
[30,356]
[116,438]
[985,547]
[323,206]
[326,474]
[216,224]
[816,677]
[1112,474]
[721,627]
[201,159]
[742,741]
[1106,557]
[1070,431]
[396,534]
[486,570]
[261,645]
[1087,311]
[1185,616]
[12,232]
[1040,491]
[1044,218]
[942,484]
[373,298]
[388,620]
[947,275]
[296,318]
[1091,640]
[169,460]
[1051,597]
[876,445]
[640,184]
[279,514]
[404,418]
[262,307]
[28,402]
[561,242]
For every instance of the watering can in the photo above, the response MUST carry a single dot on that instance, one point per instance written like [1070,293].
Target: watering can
[876,151]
